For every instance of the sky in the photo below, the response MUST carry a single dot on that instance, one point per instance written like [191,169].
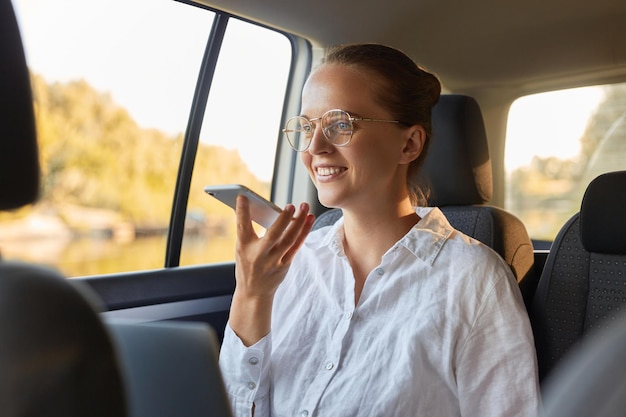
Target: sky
[146,54]
[62,46]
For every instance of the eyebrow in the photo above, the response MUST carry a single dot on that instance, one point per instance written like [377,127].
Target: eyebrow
[351,113]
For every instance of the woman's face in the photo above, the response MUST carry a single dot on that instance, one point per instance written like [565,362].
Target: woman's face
[372,167]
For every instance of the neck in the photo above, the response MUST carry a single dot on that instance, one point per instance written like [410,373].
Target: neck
[368,234]
[386,221]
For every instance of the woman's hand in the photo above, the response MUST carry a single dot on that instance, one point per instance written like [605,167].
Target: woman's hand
[261,265]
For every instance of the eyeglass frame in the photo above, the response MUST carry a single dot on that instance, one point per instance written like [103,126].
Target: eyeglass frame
[311,122]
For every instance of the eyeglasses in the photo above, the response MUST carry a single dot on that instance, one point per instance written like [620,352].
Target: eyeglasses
[337,126]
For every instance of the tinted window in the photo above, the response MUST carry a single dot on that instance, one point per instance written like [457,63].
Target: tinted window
[557,143]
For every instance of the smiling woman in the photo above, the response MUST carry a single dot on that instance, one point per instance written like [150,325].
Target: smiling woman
[389,311]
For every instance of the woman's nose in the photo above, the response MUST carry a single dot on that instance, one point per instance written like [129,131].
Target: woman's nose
[319,142]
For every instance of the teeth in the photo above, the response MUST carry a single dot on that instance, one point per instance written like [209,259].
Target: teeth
[328,170]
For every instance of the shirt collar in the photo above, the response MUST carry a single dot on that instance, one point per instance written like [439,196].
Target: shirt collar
[334,238]
[424,240]
[429,235]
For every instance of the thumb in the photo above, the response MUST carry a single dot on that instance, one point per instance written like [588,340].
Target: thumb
[245,231]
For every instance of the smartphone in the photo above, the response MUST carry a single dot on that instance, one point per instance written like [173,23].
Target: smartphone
[262,211]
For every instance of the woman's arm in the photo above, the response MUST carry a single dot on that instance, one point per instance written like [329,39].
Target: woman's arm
[497,373]
[261,266]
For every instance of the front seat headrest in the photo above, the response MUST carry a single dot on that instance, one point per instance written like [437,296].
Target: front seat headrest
[603,214]
[19,159]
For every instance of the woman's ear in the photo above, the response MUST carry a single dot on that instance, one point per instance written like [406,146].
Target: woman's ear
[415,140]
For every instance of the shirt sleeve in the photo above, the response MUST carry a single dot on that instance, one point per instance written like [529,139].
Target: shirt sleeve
[497,368]
[246,374]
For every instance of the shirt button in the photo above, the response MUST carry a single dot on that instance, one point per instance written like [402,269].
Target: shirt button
[304,413]
[330,366]
[380,272]
[251,385]
[253,360]
[348,315]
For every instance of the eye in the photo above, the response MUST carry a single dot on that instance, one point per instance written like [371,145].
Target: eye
[342,125]
[339,127]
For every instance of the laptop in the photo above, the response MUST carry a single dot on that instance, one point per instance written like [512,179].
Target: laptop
[170,368]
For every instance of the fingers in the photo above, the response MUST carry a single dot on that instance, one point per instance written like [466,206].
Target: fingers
[283,239]
[307,225]
[282,222]
[291,236]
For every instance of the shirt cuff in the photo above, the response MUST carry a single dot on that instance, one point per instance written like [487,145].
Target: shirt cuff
[245,369]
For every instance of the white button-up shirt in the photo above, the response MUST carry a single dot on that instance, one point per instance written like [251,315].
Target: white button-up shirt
[440,330]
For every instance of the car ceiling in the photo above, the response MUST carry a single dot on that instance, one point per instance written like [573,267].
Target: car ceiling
[521,46]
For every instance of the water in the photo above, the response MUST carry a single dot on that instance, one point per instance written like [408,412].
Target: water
[93,256]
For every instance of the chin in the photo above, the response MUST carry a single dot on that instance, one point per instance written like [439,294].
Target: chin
[328,199]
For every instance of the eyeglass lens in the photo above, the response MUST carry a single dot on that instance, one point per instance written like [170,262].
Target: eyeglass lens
[336,126]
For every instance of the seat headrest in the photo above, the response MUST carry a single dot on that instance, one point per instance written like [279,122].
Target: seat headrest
[457,170]
[603,214]
[19,159]
[56,355]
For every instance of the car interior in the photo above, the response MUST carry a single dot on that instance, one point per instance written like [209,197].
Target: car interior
[145,342]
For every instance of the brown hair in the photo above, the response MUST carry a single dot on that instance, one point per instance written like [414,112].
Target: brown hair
[406,90]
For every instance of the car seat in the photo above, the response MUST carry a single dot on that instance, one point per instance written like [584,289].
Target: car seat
[583,285]
[457,177]
[56,357]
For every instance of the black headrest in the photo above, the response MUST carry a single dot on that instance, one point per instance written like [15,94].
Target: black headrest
[56,356]
[603,214]
[457,170]
[19,160]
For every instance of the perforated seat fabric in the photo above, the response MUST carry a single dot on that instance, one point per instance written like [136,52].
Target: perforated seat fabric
[583,284]
[457,175]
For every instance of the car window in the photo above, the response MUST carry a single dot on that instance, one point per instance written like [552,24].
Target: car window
[239,134]
[557,142]
[112,94]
